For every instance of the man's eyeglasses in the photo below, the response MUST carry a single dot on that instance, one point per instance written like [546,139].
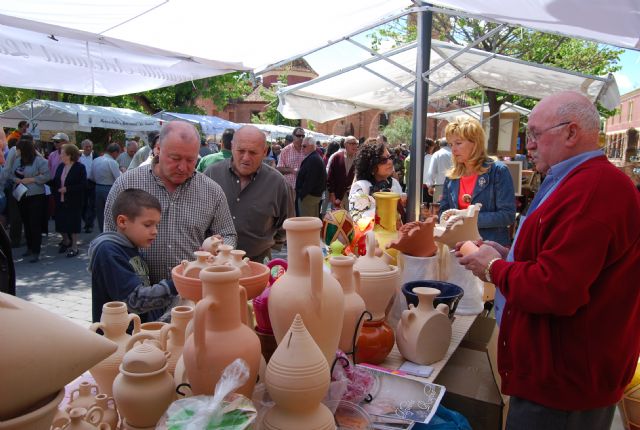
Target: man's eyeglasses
[383,160]
[533,136]
[299,135]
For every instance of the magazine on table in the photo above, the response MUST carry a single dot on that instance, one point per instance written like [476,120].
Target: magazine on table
[398,401]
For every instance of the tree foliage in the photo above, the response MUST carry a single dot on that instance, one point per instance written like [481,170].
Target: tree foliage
[399,131]
[270,114]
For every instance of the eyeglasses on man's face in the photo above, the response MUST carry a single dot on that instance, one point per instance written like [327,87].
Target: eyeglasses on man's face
[533,135]
[301,136]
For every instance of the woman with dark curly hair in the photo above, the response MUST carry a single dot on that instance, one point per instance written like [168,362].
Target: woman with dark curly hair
[374,170]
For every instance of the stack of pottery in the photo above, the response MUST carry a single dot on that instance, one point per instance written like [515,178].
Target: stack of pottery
[379,282]
[220,334]
[306,289]
[144,388]
[297,379]
[85,419]
[30,391]
[114,323]
[387,217]
[424,333]
[354,307]
[172,336]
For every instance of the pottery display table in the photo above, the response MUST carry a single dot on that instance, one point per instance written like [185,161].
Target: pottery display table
[459,328]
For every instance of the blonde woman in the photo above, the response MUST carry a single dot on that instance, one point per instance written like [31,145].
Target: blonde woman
[476,178]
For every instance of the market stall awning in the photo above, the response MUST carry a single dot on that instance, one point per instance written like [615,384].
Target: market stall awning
[380,84]
[474,111]
[49,115]
[209,124]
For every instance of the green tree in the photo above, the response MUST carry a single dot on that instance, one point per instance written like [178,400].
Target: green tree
[550,49]
[270,114]
[399,131]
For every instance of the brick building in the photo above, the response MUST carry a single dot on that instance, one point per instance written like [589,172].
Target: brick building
[616,126]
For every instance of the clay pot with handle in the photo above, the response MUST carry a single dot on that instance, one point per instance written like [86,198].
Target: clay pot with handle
[349,279]
[173,336]
[82,397]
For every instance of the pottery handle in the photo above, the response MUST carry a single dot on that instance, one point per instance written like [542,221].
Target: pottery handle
[370,241]
[243,305]
[94,412]
[136,322]
[316,273]
[77,390]
[199,329]
[408,316]
[165,332]
[356,281]
[137,338]
[95,326]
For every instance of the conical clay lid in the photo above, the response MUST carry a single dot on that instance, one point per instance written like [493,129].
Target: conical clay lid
[45,352]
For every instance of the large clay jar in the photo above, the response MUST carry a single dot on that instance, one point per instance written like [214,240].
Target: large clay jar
[387,217]
[108,406]
[144,388]
[114,322]
[307,290]
[375,342]
[83,396]
[354,307]
[424,333]
[378,280]
[416,239]
[173,336]
[84,419]
[41,353]
[38,417]
[297,379]
[220,334]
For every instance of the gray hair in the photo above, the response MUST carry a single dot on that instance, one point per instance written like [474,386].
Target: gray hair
[585,114]
[309,139]
[86,142]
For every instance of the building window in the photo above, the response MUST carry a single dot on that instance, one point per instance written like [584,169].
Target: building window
[630,112]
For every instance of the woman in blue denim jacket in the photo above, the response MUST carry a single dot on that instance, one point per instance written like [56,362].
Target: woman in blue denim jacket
[476,178]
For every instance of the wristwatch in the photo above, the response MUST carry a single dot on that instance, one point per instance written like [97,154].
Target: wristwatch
[487,270]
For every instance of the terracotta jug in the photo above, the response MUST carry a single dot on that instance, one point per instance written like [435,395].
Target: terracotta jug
[239,260]
[172,336]
[307,290]
[108,406]
[424,333]
[458,225]
[85,419]
[297,379]
[144,388]
[220,334]
[224,255]
[342,270]
[153,328]
[211,244]
[375,342]
[416,239]
[113,323]
[191,269]
[387,216]
[83,396]
[378,280]
[32,336]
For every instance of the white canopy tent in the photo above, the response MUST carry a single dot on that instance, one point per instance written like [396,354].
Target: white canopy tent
[49,115]
[474,111]
[380,84]
[280,131]
[209,124]
[120,47]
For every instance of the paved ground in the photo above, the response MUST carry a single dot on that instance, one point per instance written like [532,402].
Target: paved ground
[63,285]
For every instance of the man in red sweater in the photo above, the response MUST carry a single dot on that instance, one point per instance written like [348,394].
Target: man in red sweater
[570,331]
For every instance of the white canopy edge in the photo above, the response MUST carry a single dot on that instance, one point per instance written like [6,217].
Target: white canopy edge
[474,111]
[379,84]
[280,131]
[51,115]
[209,124]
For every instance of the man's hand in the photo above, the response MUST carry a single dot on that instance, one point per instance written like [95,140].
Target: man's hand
[479,260]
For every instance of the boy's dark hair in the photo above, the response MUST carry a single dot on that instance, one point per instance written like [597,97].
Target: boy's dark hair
[130,203]
[227,137]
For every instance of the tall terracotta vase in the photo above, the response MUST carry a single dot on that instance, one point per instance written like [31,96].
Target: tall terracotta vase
[220,334]
[297,379]
[32,336]
[342,269]
[173,336]
[113,323]
[307,290]
[387,213]
[424,333]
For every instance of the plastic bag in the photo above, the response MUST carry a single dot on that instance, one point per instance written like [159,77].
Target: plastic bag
[224,410]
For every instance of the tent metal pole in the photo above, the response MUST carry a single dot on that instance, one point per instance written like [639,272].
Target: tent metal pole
[421,101]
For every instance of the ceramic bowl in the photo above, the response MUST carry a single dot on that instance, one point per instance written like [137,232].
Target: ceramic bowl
[450,294]
[257,282]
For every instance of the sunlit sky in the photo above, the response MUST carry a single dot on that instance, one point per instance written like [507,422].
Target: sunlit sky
[628,78]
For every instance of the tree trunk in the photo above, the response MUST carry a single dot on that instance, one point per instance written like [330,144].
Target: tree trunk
[494,122]
[632,144]
[145,103]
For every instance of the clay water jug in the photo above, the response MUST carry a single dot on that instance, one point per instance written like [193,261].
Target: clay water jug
[191,269]
[110,413]
[375,342]
[220,334]
[239,260]
[385,228]
[424,333]
[224,255]
[114,322]
[144,388]
[153,328]
[172,336]
[297,379]
[211,244]
[84,419]
[342,270]
[306,289]
[378,280]
[458,225]
[83,396]
[416,239]
[41,353]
